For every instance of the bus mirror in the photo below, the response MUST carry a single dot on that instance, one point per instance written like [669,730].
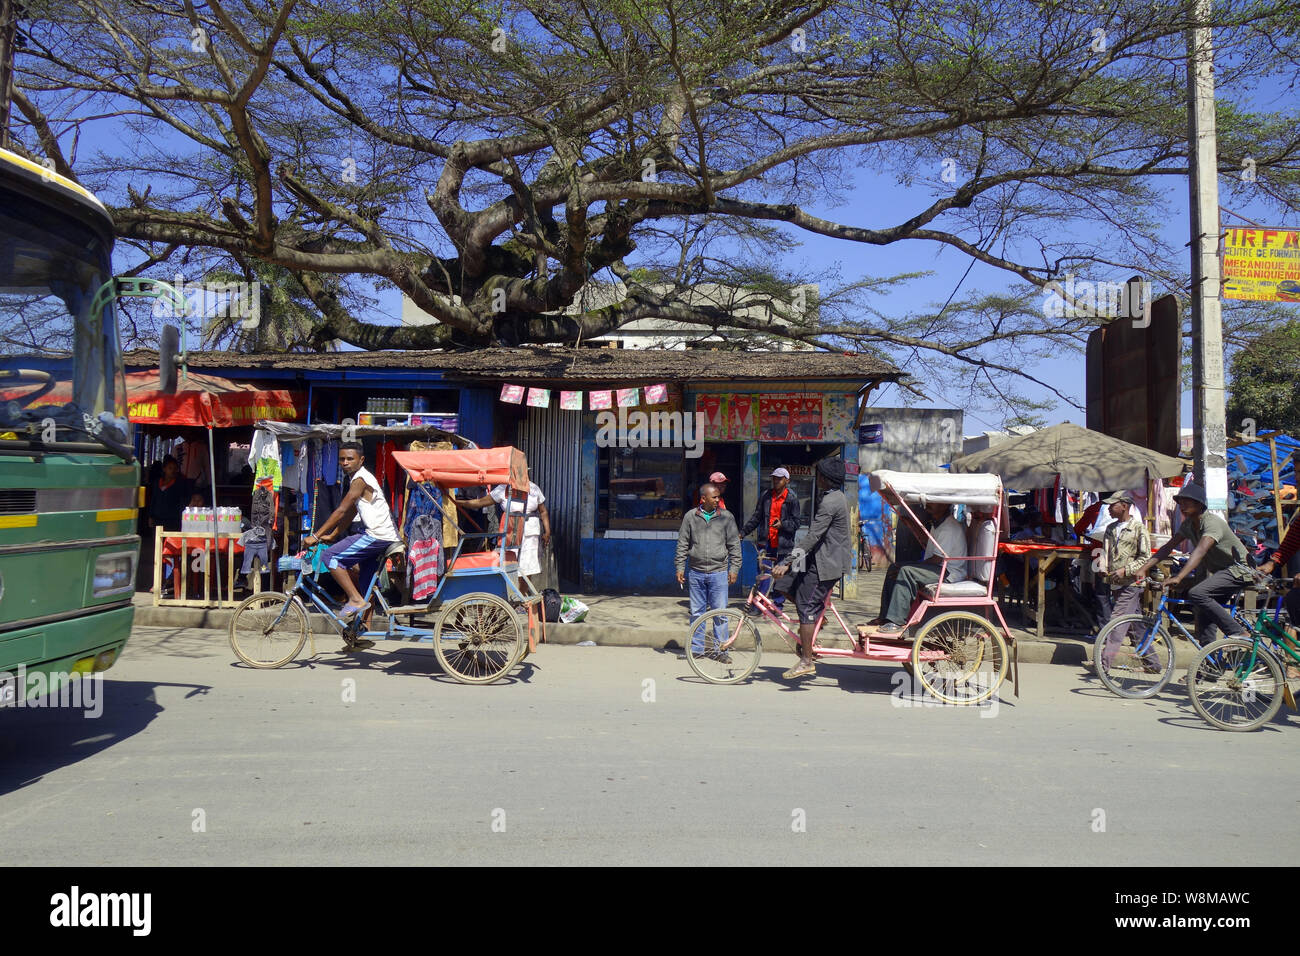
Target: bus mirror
[169,347]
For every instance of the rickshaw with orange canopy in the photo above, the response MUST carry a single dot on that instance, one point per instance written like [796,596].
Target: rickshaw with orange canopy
[483,617]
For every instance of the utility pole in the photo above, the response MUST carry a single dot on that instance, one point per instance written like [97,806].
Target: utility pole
[1210,444]
[8,32]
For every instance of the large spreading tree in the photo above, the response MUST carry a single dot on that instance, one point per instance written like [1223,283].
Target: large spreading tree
[551,170]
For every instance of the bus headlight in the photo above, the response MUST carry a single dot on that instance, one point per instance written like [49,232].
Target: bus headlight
[114,574]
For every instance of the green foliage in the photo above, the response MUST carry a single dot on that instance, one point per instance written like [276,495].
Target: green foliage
[1265,382]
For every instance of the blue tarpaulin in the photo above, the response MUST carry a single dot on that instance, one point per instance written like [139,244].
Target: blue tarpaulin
[1256,459]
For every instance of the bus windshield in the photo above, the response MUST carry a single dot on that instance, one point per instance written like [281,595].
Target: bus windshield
[61,374]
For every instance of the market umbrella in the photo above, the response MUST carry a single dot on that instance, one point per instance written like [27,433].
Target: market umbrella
[1085,460]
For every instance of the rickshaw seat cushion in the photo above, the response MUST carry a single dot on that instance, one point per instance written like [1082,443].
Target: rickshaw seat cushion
[959,589]
[484,559]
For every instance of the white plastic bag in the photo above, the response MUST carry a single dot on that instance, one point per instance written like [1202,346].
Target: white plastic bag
[572,611]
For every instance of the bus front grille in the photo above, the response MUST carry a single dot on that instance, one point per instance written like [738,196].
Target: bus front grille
[17,501]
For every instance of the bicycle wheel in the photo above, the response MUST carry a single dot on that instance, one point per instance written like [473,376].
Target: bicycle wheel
[1143,663]
[478,638]
[729,647]
[1231,693]
[959,657]
[268,629]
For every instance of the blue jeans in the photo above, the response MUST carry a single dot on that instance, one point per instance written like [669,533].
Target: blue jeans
[708,593]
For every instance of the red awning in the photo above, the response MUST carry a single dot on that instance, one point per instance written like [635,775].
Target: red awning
[200,400]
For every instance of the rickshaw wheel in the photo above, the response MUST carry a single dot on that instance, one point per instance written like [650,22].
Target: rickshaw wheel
[959,657]
[478,638]
[262,636]
[728,657]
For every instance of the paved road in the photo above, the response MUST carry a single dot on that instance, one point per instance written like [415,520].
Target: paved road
[619,755]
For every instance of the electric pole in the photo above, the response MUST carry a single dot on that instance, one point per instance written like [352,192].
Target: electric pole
[1210,445]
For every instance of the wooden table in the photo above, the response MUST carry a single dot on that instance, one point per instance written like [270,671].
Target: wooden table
[1047,553]
[178,547]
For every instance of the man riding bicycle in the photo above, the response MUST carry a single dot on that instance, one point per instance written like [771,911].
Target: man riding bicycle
[357,551]
[1224,556]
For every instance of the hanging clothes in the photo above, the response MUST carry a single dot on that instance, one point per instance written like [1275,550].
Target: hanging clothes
[424,556]
[259,539]
[330,462]
[264,458]
[193,459]
[389,473]
[421,502]
[1167,508]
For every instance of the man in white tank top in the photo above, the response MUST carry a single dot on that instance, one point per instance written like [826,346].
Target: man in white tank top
[360,551]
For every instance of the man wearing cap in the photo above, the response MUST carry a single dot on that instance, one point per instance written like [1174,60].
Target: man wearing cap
[820,558]
[777,515]
[1126,545]
[719,479]
[1224,556]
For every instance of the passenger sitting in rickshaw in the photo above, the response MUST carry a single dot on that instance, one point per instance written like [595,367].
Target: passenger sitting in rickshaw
[951,537]
[357,553]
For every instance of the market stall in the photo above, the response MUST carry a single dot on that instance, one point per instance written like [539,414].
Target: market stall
[1067,460]
[185,425]
[1262,499]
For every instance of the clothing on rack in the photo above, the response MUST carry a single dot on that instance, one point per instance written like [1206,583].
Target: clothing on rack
[194,459]
[330,462]
[424,556]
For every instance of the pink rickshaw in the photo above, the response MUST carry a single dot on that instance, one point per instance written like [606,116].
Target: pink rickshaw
[955,642]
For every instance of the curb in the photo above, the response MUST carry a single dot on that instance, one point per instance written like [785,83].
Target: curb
[1072,652]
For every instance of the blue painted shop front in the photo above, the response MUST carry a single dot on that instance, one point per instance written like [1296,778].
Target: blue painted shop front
[646,566]
[628,538]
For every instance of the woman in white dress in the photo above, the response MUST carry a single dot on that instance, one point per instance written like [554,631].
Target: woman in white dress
[537,522]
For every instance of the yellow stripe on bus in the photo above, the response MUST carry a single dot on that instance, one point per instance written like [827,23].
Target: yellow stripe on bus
[49,175]
[17,521]
[115,514]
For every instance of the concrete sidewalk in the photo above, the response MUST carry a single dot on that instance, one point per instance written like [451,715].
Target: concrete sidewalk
[660,621]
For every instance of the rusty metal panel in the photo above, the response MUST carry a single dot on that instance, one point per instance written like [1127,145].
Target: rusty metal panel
[1134,389]
[551,439]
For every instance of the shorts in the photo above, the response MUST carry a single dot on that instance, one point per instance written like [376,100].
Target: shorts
[809,595]
[356,550]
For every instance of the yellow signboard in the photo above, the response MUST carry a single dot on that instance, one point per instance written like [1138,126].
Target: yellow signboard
[1261,264]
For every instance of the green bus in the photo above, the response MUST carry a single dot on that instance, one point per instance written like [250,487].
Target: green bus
[69,481]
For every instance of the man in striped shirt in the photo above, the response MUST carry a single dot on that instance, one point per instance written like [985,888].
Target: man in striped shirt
[1278,559]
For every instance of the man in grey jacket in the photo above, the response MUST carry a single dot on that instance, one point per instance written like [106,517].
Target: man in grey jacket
[710,544]
[820,558]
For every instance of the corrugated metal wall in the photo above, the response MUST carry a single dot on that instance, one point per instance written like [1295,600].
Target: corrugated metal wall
[551,440]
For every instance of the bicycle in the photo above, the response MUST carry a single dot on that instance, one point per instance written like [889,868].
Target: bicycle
[959,657]
[1142,669]
[1238,683]
[269,629]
